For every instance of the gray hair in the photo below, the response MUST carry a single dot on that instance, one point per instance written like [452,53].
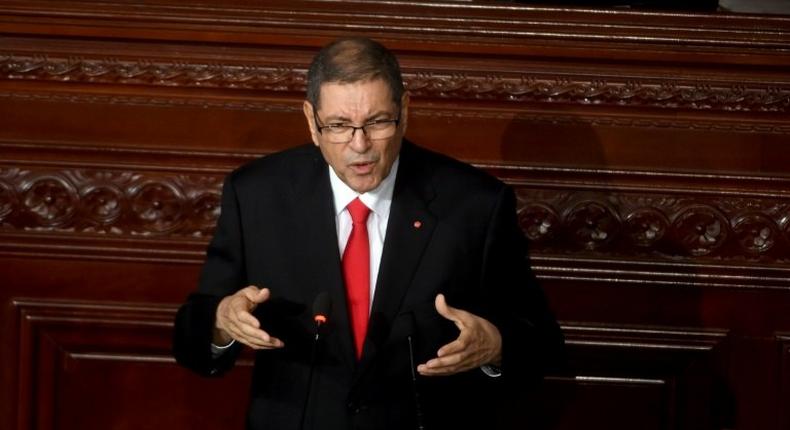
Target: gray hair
[351,60]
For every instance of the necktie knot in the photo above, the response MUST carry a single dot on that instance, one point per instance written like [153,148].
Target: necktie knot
[358,211]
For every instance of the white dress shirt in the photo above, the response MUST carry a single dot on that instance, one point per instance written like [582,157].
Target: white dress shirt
[378,201]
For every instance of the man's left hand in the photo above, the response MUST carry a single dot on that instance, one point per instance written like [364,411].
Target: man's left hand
[478,343]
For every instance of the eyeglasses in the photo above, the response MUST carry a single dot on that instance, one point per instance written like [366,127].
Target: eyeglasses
[342,133]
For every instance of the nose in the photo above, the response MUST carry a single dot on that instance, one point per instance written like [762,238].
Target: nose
[359,141]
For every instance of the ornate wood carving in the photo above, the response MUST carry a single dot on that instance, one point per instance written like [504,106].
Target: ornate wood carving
[663,92]
[744,229]
[648,92]
[122,202]
[109,202]
[146,71]
[672,225]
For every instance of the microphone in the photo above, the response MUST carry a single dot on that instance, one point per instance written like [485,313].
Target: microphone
[322,305]
[410,329]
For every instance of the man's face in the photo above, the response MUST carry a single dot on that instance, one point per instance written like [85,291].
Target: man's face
[362,163]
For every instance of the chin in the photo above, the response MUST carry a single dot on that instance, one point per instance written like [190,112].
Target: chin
[365,186]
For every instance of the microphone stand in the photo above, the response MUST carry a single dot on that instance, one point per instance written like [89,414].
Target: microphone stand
[321,308]
[418,413]
[310,376]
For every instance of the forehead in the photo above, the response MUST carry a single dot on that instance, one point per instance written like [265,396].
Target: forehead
[370,94]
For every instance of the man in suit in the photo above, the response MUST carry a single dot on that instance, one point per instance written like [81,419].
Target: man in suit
[420,255]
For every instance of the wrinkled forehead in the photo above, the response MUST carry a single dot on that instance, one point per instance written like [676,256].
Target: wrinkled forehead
[375,86]
[372,94]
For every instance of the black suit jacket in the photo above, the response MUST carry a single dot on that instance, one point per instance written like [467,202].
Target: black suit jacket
[277,230]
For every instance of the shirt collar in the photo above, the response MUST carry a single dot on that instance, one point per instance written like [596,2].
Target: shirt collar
[378,199]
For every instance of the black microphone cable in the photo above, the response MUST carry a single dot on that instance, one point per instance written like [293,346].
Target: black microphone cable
[410,329]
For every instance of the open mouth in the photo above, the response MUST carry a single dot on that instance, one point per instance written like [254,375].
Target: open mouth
[363,168]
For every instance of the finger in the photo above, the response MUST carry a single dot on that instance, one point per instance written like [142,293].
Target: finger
[455,315]
[254,332]
[272,343]
[452,360]
[255,343]
[247,318]
[240,322]
[254,337]
[255,295]
[453,347]
[447,365]
[443,308]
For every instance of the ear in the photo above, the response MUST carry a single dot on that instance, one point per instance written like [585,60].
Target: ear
[307,108]
[404,112]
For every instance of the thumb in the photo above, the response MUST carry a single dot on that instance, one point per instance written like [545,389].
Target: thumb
[257,296]
[446,310]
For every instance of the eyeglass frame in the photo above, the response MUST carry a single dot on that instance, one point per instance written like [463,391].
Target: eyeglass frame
[354,128]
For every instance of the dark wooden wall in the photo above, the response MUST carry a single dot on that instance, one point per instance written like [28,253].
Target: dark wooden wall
[650,153]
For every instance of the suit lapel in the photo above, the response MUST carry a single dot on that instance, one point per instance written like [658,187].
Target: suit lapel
[409,230]
[313,199]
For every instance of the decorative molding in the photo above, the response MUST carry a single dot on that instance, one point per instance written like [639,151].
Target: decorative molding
[513,88]
[482,23]
[146,72]
[170,101]
[665,226]
[606,91]
[635,338]
[125,203]
[109,202]
[608,120]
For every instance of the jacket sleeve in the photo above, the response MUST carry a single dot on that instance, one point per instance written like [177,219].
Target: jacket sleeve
[532,342]
[223,274]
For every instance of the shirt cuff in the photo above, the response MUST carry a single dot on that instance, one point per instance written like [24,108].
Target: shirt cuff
[491,370]
[217,350]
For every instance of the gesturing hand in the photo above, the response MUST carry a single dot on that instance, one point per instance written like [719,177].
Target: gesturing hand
[234,320]
[478,343]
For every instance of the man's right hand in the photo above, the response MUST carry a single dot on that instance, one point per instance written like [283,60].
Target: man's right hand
[234,320]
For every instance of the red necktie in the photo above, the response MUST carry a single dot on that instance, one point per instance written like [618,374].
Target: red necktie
[356,272]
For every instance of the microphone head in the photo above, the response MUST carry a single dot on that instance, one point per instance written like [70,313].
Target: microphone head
[321,307]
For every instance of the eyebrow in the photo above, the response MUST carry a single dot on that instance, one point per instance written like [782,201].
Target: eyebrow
[343,119]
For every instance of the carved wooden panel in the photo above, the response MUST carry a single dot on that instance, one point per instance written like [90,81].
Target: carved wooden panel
[99,364]
[653,377]
[108,202]
[108,365]
[643,403]
[513,87]
[626,229]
